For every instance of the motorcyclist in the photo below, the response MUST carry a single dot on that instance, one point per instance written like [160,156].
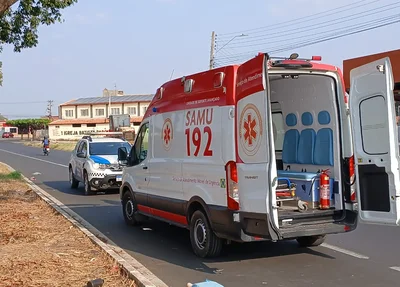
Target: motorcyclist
[45,142]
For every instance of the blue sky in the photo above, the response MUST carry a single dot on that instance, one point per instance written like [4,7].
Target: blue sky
[137,44]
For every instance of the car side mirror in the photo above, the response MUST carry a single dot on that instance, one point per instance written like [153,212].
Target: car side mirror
[81,154]
[122,155]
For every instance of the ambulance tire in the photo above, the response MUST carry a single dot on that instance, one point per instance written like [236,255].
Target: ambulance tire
[309,241]
[129,209]
[203,239]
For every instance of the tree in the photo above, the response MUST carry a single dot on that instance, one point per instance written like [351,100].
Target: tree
[29,125]
[18,27]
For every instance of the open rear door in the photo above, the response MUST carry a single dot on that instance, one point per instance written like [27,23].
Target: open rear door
[376,148]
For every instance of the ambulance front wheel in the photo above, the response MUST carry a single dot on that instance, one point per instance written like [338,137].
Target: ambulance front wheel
[203,239]
[129,209]
[309,241]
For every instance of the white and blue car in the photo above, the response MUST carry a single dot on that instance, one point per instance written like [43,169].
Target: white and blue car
[94,162]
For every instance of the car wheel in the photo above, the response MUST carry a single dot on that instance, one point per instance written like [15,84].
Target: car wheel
[203,239]
[87,187]
[309,241]
[129,209]
[72,181]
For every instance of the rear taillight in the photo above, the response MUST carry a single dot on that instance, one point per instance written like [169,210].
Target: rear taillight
[351,177]
[232,188]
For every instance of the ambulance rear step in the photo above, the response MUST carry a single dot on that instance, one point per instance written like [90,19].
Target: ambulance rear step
[318,228]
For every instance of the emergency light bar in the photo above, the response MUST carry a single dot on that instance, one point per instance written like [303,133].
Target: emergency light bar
[292,57]
[104,134]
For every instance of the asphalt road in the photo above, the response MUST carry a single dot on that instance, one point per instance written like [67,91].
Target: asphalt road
[369,256]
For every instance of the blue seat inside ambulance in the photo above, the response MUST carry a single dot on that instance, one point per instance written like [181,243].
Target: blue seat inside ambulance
[323,152]
[307,140]
[313,148]
[290,140]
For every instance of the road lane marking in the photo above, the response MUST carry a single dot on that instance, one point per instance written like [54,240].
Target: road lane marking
[344,251]
[35,158]
[397,268]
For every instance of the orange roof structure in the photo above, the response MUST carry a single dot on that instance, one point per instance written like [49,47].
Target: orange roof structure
[350,64]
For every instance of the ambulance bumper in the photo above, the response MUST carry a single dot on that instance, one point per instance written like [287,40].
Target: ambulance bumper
[256,225]
[247,227]
[227,224]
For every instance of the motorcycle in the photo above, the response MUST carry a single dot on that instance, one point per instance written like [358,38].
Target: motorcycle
[46,150]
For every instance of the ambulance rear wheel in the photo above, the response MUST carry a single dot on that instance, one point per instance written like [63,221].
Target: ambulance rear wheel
[309,241]
[203,239]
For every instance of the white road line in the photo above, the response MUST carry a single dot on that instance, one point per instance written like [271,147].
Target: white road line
[397,268]
[344,251]
[34,158]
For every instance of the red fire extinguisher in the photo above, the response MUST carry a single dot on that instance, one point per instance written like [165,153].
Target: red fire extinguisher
[324,190]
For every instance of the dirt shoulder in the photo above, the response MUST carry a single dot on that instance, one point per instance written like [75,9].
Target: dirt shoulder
[64,146]
[39,247]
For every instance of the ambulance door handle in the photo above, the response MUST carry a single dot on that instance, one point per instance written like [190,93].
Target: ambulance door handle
[145,167]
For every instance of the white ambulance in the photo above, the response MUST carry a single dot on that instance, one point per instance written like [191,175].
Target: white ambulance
[266,150]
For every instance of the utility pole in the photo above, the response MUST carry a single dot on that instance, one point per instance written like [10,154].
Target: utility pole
[212,51]
[49,108]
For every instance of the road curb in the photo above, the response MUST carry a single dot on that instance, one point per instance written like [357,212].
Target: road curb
[135,270]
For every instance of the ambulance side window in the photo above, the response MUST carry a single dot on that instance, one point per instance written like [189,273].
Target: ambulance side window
[279,130]
[139,151]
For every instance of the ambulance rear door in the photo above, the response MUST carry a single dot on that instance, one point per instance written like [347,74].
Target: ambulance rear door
[256,166]
[375,139]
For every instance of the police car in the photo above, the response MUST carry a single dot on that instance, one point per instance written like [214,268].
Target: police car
[94,162]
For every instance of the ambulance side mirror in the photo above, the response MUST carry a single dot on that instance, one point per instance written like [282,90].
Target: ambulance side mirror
[122,155]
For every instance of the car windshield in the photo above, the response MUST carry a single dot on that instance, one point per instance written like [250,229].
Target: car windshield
[107,148]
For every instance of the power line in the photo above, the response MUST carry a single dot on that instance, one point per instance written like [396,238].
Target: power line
[308,17]
[325,34]
[22,103]
[295,46]
[317,26]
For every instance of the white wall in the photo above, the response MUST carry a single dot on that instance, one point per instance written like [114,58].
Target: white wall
[67,132]
[123,109]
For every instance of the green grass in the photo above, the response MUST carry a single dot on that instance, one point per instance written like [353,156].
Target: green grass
[64,146]
[15,175]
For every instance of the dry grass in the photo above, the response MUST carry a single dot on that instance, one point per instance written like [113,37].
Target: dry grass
[39,247]
[64,146]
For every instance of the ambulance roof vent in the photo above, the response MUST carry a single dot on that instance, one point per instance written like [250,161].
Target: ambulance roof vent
[218,79]
[188,85]
[160,93]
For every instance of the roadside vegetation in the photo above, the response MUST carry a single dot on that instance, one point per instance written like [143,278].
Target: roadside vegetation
[39,247]
[15,175]
[64,146]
